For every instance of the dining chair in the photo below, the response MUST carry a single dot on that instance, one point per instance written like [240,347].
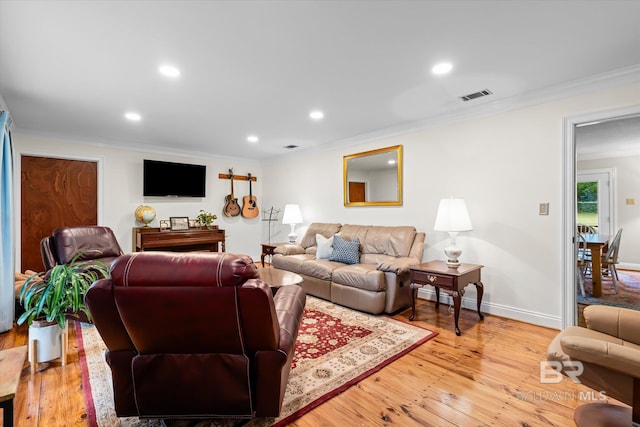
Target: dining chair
[582,263]
[610,259]
[588,229]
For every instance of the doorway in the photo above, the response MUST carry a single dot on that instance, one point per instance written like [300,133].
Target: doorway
[54,192]
[587,152]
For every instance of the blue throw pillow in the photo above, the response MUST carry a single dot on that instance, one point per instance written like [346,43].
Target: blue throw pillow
[345,251]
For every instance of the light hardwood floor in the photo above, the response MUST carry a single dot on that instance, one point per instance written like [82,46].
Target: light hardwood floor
[488,376]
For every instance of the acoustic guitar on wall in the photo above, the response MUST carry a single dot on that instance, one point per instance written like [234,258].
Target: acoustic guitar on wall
[231,207]
[250,203]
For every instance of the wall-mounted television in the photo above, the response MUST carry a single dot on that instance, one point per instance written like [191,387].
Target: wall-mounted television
[173,179]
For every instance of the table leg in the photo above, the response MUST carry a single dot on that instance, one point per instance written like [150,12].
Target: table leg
[457,300]
[7,413]
[596,272]
[480,292]
[413,290]
[437,296]
[262,258]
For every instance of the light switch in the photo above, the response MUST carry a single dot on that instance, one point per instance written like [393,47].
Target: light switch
[631,201]
[544,209]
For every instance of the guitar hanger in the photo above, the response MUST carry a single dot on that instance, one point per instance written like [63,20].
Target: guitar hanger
[237,177]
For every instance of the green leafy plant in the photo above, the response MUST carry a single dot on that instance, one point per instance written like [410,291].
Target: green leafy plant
[206,218]
[59,292]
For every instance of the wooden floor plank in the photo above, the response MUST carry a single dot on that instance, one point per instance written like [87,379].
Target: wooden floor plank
[487,376]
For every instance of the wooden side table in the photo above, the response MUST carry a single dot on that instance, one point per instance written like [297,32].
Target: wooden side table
[451,280]
[11,364]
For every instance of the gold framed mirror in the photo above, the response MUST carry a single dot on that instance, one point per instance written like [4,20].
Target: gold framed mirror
[373,178]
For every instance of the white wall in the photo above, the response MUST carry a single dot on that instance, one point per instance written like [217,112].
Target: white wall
[121,191]
[627,178]
[504,165]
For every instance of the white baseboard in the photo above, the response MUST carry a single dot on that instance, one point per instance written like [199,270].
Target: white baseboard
[527,316]
[628,266]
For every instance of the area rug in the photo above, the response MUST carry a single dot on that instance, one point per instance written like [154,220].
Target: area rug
[336,348]
[628,295]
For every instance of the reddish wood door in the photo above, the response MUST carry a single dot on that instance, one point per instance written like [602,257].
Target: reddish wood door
[356,192]
[55,193]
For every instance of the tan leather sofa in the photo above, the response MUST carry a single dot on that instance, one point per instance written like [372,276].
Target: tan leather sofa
[609,351]
[377,283]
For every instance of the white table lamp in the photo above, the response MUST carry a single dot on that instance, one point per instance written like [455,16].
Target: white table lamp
[452,217]
[292,216]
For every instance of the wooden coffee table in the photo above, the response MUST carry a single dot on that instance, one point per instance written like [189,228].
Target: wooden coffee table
[11,364]
[276,278]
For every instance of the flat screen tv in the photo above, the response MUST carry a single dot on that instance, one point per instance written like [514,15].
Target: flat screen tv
[173,179]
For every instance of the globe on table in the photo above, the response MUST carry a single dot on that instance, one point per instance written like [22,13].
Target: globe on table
[145,214]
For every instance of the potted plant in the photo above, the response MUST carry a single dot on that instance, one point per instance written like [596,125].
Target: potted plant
[49,298]
[206,218]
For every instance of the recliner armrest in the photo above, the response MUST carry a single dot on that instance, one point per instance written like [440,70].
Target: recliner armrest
[603,353]
[289,303]
[619,322]
[398,265]
[289,250]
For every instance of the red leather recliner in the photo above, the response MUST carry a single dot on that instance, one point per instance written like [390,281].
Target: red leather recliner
[195,335]
[94,242]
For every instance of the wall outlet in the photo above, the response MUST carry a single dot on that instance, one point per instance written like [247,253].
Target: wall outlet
[544,209]
[631,201]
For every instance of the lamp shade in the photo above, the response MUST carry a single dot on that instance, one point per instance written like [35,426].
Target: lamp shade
[292,215]
[452,216]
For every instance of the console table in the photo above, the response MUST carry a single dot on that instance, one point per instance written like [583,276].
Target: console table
[194,239]
[451,280]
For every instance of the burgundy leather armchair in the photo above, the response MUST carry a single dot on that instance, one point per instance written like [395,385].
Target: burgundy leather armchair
[94,242]
[195,335]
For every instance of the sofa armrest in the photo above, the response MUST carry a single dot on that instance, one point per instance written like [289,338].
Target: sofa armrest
[289,303]
[619,322]
[289,250]
[398,265]
[603,353]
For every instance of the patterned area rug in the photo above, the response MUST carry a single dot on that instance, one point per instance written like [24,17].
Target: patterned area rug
[628,295]
[336,348]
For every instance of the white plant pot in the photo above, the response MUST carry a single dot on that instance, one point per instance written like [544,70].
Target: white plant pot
[47,342]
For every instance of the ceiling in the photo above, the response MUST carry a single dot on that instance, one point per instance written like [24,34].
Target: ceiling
[608,138]
[71,69]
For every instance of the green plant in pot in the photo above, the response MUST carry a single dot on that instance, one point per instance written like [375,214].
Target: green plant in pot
[59,293]
[206,218]
[49,298]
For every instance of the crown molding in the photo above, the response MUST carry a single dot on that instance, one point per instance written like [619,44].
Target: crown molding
[132,147]
[605,80]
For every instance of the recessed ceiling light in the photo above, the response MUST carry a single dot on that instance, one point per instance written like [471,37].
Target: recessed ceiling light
[134,117]
[442,68]
[316,115]
[169,71]
[252,138]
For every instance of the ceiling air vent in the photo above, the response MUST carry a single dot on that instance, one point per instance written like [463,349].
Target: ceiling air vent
[476,95]
[289,147]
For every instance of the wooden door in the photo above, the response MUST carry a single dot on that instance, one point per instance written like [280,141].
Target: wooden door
[55,193]
[356,192]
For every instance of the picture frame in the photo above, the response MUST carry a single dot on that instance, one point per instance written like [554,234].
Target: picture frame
[179,223]
[164,224]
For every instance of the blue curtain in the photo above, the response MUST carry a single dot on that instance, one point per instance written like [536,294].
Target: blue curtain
[7,230]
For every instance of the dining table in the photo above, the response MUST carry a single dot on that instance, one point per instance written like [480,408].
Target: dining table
[595,243]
